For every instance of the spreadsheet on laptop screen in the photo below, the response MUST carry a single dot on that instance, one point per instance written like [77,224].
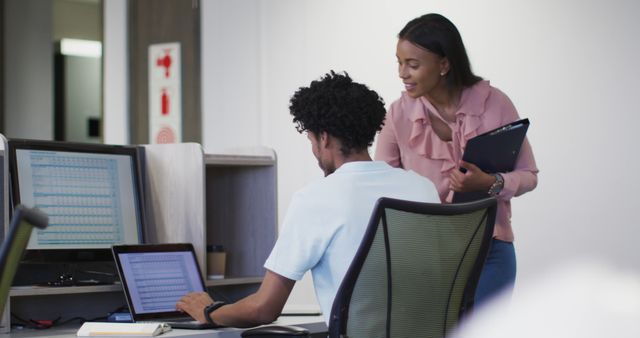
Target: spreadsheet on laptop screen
[157,280]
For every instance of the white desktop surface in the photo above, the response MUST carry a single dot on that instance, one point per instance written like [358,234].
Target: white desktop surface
[313,323]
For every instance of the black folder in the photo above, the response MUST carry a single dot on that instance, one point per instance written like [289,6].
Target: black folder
[495,151]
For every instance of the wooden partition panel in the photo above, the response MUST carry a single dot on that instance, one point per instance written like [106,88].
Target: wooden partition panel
[174,195]
[241,212]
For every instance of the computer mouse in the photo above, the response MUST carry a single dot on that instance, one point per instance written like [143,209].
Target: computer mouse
[275,331]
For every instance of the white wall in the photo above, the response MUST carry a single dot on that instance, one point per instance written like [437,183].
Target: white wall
[570,66]
[231,75]
[115,71]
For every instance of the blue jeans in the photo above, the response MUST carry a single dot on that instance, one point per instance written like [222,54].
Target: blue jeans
[499,272]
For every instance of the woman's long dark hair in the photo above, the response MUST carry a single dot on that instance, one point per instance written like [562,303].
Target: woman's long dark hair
[437,34]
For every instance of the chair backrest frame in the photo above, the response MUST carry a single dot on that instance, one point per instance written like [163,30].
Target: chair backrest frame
[340,309]
[12,250]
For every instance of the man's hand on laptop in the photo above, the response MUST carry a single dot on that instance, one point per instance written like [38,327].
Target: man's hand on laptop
[194,304]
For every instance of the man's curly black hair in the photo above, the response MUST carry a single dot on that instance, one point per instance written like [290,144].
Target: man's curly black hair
[342,108]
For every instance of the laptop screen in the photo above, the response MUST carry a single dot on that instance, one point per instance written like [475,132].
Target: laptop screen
[155,277]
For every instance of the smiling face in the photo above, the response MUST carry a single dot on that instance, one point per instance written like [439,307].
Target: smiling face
[422,72]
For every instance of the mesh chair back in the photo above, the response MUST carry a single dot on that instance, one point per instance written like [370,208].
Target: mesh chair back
[22,223]
[415,271]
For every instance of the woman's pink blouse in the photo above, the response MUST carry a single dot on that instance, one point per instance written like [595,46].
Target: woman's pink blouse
[408,141]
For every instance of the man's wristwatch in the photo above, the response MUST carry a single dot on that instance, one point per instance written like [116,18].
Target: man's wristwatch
[497,186]
[210,308]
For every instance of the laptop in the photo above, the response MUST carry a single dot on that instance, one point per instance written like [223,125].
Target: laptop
[154,277]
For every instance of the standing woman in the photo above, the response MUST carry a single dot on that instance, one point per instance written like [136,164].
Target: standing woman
[444,105]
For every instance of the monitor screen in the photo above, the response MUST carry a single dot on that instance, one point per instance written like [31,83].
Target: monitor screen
[91,192]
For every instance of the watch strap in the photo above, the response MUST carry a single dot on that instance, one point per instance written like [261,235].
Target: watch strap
[210,308]
[497,186]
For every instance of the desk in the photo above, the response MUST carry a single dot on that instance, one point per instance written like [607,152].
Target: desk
[315,324]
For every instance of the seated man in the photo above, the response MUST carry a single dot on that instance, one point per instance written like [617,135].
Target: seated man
[326,220]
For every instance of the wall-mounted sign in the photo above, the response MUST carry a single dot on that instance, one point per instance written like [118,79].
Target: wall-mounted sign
[165,93]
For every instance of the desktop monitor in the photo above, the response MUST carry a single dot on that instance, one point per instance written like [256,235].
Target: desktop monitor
[91,192]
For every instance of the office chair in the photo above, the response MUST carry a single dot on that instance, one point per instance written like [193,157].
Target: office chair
[415,272]
[22,222]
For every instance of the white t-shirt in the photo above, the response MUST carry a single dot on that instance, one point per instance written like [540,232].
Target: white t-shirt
[326,221]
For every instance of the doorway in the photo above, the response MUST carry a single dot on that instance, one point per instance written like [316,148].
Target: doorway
[77,36]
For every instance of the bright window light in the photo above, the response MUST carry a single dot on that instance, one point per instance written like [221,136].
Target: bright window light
[77,47]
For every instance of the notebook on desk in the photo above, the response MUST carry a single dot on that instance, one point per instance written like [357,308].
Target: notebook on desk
[154,277]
